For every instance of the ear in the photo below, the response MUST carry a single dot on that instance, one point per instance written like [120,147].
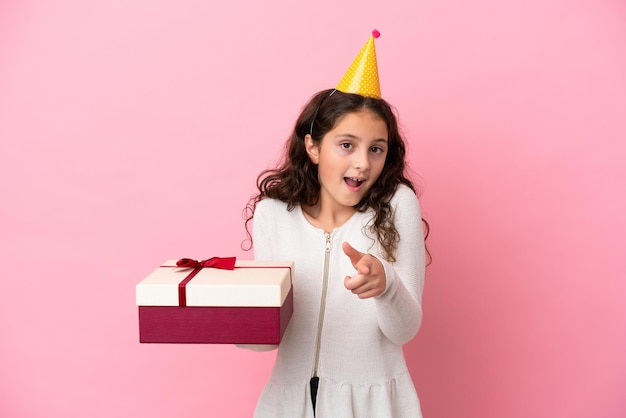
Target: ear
[312,149]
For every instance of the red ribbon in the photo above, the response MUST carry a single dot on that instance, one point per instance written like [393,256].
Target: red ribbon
[224,263]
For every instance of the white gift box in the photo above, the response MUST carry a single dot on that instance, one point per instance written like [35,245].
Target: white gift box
[250,304]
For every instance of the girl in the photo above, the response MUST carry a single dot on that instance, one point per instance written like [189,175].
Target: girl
[340,206]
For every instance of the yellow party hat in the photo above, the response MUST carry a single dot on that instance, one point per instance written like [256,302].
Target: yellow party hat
[362,76]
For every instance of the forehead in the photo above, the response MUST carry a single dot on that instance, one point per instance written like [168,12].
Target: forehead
[363,122]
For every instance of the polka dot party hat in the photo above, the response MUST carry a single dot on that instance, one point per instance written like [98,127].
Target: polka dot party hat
[362,76]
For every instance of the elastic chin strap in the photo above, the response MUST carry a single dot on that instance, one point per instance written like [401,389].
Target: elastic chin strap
[317,110]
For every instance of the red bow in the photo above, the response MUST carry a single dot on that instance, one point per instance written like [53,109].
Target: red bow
[224,263]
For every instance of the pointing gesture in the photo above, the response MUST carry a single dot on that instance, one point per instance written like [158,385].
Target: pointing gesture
[369,280]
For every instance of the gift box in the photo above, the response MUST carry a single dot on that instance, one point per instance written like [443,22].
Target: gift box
[246,302]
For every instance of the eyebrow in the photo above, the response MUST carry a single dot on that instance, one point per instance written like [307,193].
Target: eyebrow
[358,138]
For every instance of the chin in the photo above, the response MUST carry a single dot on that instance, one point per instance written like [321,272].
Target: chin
[353,202]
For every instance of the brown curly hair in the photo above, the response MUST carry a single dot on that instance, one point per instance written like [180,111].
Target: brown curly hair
[295,181]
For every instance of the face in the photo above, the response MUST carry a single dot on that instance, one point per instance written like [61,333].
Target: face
[350,158]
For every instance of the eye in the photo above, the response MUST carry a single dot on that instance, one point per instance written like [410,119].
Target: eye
[345,145]
[377,150]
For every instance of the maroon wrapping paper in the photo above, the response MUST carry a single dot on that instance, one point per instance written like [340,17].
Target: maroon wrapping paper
[214,325]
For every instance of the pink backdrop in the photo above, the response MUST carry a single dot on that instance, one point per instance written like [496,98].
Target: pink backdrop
[132,132]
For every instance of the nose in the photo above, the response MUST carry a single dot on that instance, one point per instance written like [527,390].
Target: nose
[361,161]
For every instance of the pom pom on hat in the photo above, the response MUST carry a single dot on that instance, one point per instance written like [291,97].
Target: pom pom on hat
[362,76]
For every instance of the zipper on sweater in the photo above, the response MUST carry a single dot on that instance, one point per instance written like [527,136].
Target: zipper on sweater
[322,304]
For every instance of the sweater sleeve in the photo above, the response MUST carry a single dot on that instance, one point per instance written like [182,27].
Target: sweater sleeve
[261,239]
[399,307]
[262,251]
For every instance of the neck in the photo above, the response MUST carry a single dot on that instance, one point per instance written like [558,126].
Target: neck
[327,218]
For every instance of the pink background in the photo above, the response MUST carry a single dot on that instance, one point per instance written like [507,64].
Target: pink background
[132,132]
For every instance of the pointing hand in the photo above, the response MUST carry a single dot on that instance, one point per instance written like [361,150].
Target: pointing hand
[369,280]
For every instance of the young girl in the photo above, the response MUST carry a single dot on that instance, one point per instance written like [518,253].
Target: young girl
[342,208]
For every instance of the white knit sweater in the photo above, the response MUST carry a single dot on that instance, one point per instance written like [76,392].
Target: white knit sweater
[361,368]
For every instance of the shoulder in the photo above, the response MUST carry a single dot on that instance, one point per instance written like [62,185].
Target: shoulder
[272,223]
[271,209]
[270,206]
[404,196]
[405,204]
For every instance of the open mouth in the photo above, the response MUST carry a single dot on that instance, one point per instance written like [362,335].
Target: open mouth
[353,182]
